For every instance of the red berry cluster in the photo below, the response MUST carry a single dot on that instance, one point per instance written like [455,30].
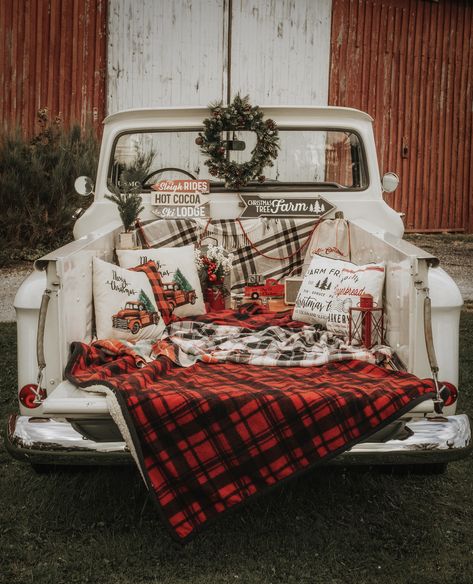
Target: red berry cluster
[211,269]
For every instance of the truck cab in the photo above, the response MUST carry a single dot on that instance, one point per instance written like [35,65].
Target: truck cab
[327,163]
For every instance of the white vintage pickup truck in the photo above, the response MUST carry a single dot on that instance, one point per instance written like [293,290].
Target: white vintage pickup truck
[327,155]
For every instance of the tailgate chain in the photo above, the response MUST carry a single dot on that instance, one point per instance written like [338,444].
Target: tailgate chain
[429,344]
[40,335]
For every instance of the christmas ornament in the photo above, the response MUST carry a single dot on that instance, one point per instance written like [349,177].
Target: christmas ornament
[239,115]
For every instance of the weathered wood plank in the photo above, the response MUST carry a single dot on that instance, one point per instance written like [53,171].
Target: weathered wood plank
[280,51]
[165,53]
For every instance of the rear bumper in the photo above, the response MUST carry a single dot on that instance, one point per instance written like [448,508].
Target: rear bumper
[433,440]
[56,441]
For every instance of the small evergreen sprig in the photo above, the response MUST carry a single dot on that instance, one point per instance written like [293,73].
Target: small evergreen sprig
[129,206]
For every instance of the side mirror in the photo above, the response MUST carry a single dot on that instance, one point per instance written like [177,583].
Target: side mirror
[84,186]
[390,182]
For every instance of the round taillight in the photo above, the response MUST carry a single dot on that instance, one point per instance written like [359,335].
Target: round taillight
[31,396]
[448,392]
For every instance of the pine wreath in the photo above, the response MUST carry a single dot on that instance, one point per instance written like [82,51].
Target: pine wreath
[239,115]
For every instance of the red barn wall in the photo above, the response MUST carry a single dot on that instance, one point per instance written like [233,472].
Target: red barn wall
[409,64]
[52,54]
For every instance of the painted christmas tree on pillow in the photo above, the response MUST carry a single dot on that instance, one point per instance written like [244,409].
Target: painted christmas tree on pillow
[182,281]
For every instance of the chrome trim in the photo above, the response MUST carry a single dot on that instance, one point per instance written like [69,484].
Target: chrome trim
[441,433]
[54,440]
[433,440]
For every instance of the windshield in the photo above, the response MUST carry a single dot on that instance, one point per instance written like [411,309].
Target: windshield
[307,158]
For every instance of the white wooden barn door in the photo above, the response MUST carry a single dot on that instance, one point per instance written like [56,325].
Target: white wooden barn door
[193,52]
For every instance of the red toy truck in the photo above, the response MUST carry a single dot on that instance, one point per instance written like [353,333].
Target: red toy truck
[256,288]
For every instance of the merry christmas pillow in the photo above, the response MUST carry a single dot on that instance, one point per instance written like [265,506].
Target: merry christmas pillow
[125,307]
[354,282]
[180,278]
[314,300]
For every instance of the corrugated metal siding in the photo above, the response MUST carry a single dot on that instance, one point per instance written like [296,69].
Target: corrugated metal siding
[409,64]
[52,54]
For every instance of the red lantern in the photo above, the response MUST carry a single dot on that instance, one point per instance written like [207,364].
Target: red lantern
[366,323]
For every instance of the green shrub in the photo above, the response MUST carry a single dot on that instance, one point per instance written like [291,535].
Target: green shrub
[37,196]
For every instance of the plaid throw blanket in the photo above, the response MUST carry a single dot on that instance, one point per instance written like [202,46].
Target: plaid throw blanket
[269,345]
[210,436]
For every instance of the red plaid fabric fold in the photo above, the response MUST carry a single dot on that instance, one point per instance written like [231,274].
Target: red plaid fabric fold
[154,277]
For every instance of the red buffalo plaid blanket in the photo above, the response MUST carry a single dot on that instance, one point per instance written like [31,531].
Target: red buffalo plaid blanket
[212,435]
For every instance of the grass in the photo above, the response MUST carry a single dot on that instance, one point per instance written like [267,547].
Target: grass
[334,526]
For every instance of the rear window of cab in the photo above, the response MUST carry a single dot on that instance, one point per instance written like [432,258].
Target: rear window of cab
[322,159]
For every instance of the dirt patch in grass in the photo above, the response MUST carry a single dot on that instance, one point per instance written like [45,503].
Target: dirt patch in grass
[334,526]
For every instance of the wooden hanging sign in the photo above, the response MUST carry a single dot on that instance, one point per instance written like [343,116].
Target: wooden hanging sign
[180,199]
[188,185]
[281,207]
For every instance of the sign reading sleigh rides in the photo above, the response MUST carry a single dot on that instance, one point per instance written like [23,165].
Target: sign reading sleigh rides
[181,199]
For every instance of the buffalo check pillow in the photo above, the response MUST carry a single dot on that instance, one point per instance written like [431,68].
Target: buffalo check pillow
[125,305]
[180,278]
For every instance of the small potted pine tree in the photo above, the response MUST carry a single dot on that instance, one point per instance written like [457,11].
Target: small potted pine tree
[129,207]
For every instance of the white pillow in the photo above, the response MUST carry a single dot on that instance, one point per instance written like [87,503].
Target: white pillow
[355,281]
[189,302]
[314,300]
[125,307]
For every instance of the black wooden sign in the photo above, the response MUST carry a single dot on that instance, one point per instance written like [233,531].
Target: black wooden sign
[261,206]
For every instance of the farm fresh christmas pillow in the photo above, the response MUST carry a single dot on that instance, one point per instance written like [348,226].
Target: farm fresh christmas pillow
[314,300]
[354,281]
[125,307]
[180,278]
